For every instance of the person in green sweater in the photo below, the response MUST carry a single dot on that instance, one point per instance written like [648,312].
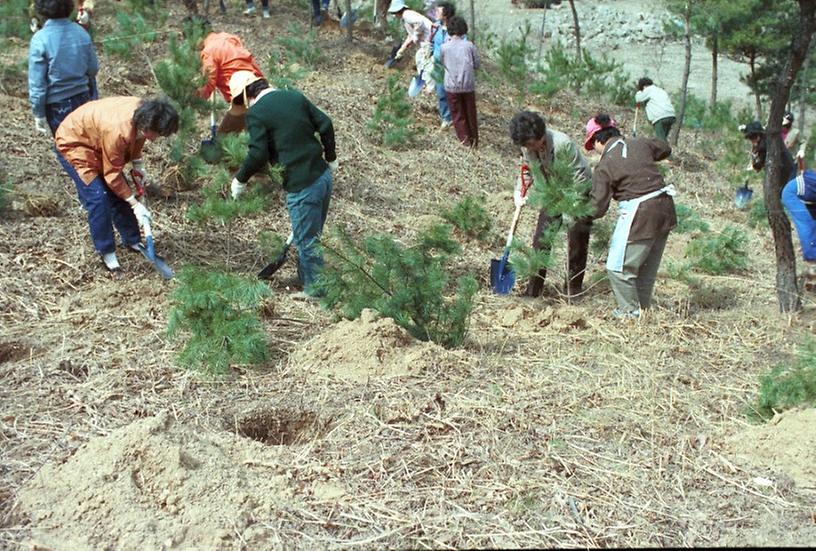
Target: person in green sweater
[282,126]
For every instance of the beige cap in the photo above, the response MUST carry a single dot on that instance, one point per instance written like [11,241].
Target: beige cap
[237,85]
[396,5]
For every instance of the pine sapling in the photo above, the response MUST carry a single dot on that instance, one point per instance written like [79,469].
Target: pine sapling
[219,312]
[470,217]
[559,192]
[409,284]
[392,120]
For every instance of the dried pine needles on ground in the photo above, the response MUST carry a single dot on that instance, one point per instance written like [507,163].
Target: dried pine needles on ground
[554,425]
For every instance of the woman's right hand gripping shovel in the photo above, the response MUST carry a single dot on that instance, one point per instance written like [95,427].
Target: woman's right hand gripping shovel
[144,218]
[502,277]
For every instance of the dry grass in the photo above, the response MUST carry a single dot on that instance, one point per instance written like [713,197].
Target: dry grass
[554,426]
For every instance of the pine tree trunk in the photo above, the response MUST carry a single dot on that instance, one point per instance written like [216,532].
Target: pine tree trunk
[715,52]
[757,99]
[578,52]
[686,71]
[380,13]
[541,34]
[349,22]
[775,178]
[472,30]
[803,96]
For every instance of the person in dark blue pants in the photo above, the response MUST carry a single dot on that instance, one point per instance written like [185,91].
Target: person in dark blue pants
[802,214]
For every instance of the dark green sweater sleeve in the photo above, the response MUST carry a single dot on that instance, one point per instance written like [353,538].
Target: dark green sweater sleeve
[325,129]
[260,148]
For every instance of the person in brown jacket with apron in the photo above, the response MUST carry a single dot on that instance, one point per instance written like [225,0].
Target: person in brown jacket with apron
[628,173]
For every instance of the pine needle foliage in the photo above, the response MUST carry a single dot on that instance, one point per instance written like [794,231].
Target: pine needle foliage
[219,314]
[409,284]
[301,46]
[134,30]
[14,19]
[283,74]
[218,204]
[180,76]
[512,57]
[392,120]
[559,192]
[688,220]
[6,189]
[786,387]
[470,217]
[719,253]
[591,76]
[758,215]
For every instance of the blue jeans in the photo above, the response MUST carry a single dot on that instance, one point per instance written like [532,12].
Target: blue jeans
[105,210]
[56,112]
[308,209]
[802,219]
[442,105]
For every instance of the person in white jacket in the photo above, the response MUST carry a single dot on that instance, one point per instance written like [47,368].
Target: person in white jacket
[659,109]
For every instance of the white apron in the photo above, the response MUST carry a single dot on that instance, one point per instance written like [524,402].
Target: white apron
[620,237]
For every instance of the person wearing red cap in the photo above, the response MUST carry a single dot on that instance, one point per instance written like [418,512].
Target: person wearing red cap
[628,173]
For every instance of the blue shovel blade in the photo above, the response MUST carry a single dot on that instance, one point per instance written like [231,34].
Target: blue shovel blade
[416,86]
[743,197]
[502,276]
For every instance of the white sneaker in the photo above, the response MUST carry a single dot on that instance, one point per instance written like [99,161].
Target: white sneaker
[250,10]
[266,14]
[111,262]
[445,124]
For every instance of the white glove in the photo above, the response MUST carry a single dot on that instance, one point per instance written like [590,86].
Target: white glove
[41,125]
[139,174]
[83,17]
[139,210]
[518,200]
[334,165]
[237,188]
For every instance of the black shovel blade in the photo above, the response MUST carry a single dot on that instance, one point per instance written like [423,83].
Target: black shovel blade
[275,265]
[210,151]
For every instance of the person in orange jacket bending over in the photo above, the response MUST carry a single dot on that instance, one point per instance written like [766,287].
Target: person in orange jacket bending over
[94,143]
[222,55]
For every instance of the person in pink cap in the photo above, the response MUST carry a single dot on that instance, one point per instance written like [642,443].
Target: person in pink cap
[628,173]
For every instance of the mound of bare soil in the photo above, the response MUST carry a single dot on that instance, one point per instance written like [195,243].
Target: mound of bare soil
[785,446]
[154,484]
[367,347]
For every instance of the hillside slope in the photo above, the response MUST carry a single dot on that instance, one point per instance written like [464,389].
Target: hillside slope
[554,425]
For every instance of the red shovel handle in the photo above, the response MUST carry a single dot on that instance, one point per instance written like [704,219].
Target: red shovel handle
[526,179]
[137,182]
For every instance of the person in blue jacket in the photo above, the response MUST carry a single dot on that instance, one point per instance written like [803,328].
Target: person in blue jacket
[62,66]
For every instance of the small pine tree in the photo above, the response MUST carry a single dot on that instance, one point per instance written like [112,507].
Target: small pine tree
[558,193]
[219,311]
[6,189]
[180,76]
[470,217]
[719,253]
[392,120]
[406,283]
[688,220]
[301,46]
[14,19]
[282,74]
[786,387]
[136,27]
